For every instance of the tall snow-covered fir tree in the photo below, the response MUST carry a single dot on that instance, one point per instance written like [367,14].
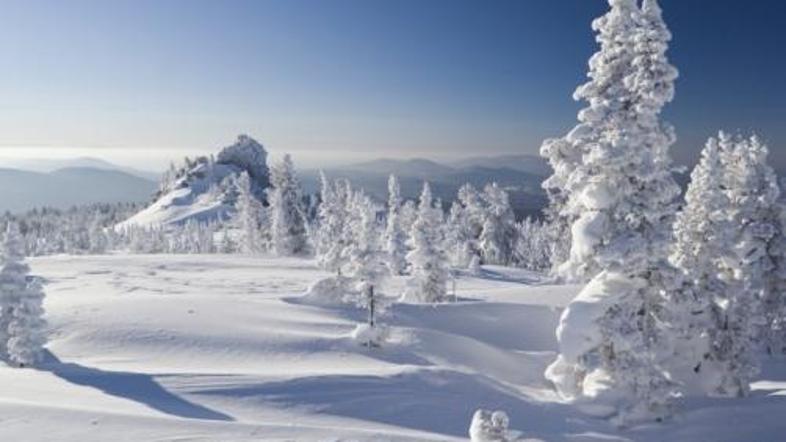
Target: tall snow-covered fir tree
[702,233]
[427,261]
[248,217]
[395,238]
[622,196]
[746,267]
[498,233]
[288,224]
[21,298]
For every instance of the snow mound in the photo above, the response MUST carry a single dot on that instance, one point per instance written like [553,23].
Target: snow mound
[331,291]
[203,189]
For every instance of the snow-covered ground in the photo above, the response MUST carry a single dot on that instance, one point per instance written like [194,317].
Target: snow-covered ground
[220,348]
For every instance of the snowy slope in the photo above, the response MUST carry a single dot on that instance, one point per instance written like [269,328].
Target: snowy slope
[209,348]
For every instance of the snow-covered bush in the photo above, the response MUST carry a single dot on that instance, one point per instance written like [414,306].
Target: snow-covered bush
[21,311]
[490,426]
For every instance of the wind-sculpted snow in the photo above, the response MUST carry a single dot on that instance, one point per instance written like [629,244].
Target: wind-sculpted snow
[210,347]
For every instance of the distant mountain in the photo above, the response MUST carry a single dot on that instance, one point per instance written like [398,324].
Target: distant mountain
[44,165]
[531,164]
[417,167]
[23,190]
[520,175]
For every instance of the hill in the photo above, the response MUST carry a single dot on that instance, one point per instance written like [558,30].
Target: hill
[23,190]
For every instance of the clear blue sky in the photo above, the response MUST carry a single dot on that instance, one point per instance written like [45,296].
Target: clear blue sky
[388,78]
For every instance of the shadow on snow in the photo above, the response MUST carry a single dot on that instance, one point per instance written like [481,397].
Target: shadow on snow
[137,387]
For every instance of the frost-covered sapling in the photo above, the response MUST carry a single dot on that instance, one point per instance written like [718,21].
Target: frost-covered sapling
[372,333]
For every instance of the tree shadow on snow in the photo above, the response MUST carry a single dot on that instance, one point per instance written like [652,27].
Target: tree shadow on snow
[429,400]
[137,387]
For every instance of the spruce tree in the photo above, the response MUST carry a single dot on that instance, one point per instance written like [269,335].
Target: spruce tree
[622,196]
[395,239]
[21,298]
[288,223]
[248,217]
[429,275]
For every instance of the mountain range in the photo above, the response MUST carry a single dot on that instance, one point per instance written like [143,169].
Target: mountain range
[22,190]
[521,175]
[25,184]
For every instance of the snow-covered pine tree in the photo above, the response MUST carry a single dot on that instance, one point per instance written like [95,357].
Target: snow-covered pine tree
[465,224]
[366,263]
[458,237]
[498,234]
[775,303]
[332,217]
[288,226]
[563,157]
[21,298]
[702,233]
[395,239]
[746,267]
[427,261]
[248,217]
[622,197]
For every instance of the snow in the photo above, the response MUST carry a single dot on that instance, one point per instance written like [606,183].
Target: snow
[210,347]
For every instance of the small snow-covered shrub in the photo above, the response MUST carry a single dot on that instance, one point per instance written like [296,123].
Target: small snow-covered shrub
[488,426]
[334,290]
[372,336]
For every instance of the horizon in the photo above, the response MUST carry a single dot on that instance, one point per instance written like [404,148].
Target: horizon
[343,83]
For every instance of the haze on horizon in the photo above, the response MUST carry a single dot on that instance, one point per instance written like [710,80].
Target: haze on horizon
[141,83]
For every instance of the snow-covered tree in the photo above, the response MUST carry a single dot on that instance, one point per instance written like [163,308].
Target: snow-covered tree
[395,238]
[532,246]
[622,196]
[458,237]
[746,266]
[498,233]
[288,223]
[427,261]
[333,219]
[464,227]
[21,298]
[248,217]
[366,261]
[702,232]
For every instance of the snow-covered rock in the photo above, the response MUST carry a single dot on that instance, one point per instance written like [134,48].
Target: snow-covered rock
[203,188]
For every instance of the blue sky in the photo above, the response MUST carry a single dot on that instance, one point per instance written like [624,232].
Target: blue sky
[137,81]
